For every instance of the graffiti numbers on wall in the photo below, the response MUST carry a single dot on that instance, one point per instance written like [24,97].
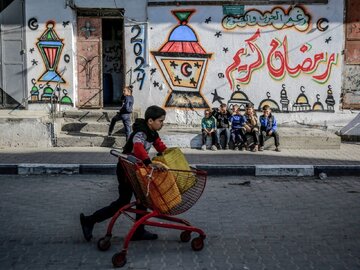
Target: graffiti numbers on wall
[278,18]
[138,49]
[277,62]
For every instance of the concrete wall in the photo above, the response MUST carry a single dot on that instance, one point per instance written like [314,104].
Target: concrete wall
[292,61]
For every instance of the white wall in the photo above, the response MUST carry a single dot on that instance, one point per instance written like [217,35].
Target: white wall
[223,74]
[38,13]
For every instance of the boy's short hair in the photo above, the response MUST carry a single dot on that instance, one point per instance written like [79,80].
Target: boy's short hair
[154,112]
[266,107]
[222,105]
[249,105]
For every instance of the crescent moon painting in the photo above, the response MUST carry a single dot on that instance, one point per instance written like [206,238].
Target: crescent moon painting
[185,69]
[320,23]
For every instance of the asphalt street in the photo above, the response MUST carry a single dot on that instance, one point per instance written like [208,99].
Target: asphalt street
[251,223]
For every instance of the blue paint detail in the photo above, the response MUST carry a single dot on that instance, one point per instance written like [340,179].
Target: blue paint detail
[51,76]
[183,33]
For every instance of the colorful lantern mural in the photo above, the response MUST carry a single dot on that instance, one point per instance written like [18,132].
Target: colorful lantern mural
[183,62]
[50,47]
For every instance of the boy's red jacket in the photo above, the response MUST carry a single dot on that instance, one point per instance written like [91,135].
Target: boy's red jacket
[141,140]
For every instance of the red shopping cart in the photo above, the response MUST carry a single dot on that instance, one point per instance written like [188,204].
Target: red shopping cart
[166,194]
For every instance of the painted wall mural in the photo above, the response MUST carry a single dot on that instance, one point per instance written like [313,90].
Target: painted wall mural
[288,57]
[182,61]
[47,87]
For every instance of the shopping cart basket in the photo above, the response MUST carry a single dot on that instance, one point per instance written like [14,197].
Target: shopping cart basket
[157,190]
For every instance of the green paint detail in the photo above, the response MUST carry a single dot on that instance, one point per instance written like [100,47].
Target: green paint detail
[233,10]
[182,15]
[66,100]
[48,90]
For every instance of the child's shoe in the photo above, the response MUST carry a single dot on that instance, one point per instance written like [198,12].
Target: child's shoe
[226,147]
[277,149]
[144,235]
[261,148]
[255,149]
[203,147]
[87,227]
[214,148]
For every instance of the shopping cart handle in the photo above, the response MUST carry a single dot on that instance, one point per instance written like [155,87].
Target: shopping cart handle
[130,158]
[117,153]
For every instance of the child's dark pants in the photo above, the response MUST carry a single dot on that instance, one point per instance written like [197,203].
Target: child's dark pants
[125,194]
[236,136]
[265,134]
[213,137]
[126,118]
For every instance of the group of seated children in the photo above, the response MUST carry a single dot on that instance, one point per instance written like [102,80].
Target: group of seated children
[238,127]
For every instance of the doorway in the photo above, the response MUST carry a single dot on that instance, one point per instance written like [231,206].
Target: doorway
[100,54]
[113,67]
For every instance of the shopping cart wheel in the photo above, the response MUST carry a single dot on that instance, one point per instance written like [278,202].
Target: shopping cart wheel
[104,243]
[197,243]
[119,259]
[185,236]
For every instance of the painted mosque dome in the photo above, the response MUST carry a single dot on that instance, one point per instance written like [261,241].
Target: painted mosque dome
[302,102]
[239,98]
[272,103]
[318,105]
[48,91]
[302,99]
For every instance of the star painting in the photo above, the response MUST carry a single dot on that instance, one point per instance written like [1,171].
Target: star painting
[216,97]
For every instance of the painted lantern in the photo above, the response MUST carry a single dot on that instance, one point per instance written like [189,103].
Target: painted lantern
[183,61]
[50,47]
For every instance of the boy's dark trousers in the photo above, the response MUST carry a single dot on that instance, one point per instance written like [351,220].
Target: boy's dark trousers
[126,118]
[254,133]
[236,136]
[264,134]
[213,137]
[125,194]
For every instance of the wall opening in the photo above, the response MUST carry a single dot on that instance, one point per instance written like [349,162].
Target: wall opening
[113,60]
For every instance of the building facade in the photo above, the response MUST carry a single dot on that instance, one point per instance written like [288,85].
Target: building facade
[299,57]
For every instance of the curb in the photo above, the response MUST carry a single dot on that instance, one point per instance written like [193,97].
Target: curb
[212,169]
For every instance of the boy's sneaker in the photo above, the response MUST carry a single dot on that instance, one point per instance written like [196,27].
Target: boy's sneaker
[236,148]
[213,147]
[87,227]
[226,147]
[261,148]
[203,147]
[277,149]
[144,235]
[242,148]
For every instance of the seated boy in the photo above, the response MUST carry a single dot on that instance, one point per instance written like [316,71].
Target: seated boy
[208,128]
[144,135]
[251,126]
[268,127]
[237,121]
[222,124]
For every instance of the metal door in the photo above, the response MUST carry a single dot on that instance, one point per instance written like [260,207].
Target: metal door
[12,79]
[89,58]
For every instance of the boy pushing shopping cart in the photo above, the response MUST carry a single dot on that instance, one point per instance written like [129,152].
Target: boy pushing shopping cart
[165,191]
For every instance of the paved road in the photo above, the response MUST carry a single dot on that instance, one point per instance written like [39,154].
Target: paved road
[282,223]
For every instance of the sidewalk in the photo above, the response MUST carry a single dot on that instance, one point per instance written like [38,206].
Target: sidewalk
[97,160]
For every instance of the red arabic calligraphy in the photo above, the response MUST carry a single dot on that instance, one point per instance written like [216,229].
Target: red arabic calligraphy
[278,62]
